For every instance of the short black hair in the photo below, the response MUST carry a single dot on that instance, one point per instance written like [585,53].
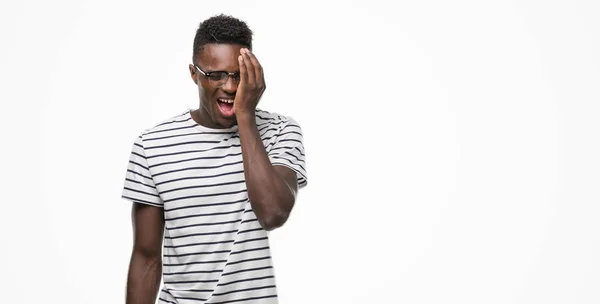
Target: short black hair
[222,29]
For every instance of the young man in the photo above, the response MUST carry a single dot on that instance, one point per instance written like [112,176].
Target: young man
[214,180]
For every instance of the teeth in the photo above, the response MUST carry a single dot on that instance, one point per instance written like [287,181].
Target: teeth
[226,100]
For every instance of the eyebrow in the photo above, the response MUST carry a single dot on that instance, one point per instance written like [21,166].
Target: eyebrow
[207,70]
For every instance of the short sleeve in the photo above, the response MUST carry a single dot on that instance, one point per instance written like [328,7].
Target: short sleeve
[288,150]
[139,186]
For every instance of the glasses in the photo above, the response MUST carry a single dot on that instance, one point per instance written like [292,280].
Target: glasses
[219,78]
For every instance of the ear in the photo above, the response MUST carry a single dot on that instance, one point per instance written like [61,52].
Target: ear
[193,73]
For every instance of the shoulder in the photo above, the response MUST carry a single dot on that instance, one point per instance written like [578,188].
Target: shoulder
[169,125]
[274,119]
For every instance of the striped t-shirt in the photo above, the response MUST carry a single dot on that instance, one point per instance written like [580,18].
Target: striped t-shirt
[214,250]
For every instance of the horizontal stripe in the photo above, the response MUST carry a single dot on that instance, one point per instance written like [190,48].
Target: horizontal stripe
[191,281]
[200,234]
[167,130]
[250,240]
[193,263]
[138,155]
[217,251]
[195,158]
[249,250]
[243,290]
[291,132]
[291,140]
[199,177]
[246,270]
[198,244]
[173,121]
[217,262]
[139,174]
[287,148]
[199,168]
[246,280]
[187,290]
[243,300]
[196,253]
[163,300]
[204,195]
[184,143]
[140,183]
[265,117]
[190,298]
[203,186]
[204,214]
[292,155]
[288,161]
[205,205]
[248,260]
[140,191]
[186,134]
[203,224]
[250,230]
[191,272]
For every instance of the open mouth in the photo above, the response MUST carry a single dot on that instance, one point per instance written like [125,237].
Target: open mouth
[225,106]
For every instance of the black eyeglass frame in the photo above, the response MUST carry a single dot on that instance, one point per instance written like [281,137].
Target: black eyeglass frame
[222,81]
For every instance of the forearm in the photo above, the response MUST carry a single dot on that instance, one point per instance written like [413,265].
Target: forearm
[143,279]
[270,196]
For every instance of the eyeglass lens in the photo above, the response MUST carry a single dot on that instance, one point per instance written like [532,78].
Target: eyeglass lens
[221,77]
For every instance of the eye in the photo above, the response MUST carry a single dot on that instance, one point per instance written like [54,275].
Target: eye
[216,76]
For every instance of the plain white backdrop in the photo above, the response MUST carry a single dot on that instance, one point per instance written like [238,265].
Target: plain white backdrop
[453,147]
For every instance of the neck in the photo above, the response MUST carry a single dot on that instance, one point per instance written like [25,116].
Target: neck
[201,117]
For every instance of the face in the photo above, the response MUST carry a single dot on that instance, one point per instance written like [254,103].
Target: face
[216,100]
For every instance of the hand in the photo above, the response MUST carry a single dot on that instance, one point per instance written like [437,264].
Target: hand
[252,84]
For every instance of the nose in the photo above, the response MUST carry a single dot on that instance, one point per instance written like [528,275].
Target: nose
[230,86]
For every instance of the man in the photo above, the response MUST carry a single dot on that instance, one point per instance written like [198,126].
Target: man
[214,180]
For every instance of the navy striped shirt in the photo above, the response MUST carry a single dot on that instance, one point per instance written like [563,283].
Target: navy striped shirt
[214,250]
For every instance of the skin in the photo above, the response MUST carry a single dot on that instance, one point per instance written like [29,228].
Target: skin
[145,266]
[271,189]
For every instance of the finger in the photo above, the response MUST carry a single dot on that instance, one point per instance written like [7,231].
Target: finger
[249,67]
[258,70]
[243,71]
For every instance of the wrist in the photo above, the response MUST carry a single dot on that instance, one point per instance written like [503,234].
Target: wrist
[245,118]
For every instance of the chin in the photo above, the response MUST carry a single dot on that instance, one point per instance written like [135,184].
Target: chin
[224,121]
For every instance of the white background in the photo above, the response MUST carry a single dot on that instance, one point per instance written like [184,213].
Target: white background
[453,147]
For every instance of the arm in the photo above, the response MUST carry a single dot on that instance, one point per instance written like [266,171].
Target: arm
[271,189]
[145,267]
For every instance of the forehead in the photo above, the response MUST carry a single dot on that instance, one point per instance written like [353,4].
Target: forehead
[220,57]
